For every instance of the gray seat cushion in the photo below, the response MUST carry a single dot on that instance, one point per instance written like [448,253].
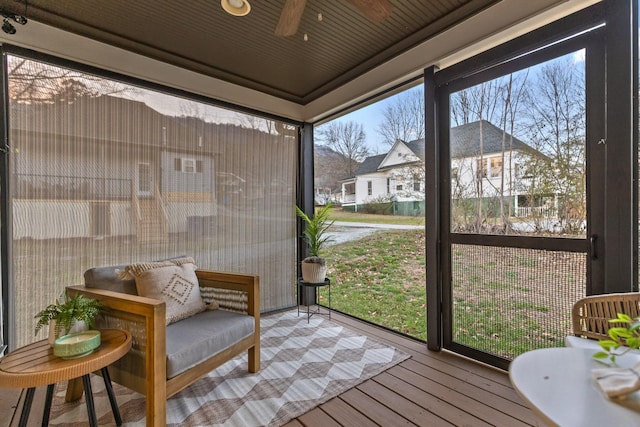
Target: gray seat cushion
[199,337]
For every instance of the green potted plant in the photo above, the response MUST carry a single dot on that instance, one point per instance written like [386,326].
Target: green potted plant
[68,314]
[621,339]
[314,267]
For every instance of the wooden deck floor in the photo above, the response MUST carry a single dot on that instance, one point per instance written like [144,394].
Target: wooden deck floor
[428,389]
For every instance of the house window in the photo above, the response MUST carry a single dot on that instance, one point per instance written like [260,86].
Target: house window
[399,187]
[369,188]
[388,185]
[496,167]
[523,171]
[416,183]
[187,165]
[454,174]
[481,168]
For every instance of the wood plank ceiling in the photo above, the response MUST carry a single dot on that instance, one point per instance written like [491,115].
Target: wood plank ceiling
[198,35]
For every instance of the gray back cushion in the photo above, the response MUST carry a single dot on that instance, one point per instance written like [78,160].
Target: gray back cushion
[107,278]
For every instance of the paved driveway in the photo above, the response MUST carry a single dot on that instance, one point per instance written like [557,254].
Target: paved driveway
[341,232]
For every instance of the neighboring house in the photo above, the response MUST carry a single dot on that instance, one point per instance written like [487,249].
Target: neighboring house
[397,176]
[489,163]
[325,195]
[479,169]
[108,166]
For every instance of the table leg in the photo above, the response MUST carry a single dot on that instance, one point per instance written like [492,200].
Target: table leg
[298,297]
[112,396]
[26,407]
[88,397]
[329,300]
[74,390]
[47,405]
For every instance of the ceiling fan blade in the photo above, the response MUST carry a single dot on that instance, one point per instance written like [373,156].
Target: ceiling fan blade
[375,10]
[290,17]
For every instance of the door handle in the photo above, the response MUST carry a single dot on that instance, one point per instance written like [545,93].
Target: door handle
[594,246]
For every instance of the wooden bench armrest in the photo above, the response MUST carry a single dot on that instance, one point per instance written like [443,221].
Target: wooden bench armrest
[246,284]
[145,320]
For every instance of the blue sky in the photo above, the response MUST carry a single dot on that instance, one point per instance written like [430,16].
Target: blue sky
[370,118]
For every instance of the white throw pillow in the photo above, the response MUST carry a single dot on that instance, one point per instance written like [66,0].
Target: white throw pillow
[174,282]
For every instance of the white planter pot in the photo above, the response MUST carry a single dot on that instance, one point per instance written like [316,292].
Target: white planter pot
[313,272]
[77,327]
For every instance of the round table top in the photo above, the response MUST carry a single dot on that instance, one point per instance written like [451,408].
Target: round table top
[35,365]
[556,383]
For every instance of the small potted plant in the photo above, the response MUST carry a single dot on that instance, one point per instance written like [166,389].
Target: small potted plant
[621,339]
[314,267]
[68,314]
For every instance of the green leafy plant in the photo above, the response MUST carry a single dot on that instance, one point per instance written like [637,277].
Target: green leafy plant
[621,339]
[68,310]
[316,228]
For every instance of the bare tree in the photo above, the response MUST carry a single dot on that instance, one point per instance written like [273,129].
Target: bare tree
[478,103]
[498,102]
[32,81]
[512,95]
[557,128]
[403,117]
[546,107]
[257,123]
[348,139]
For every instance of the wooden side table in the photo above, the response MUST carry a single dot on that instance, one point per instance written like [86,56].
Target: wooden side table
[306,285]
[35,365]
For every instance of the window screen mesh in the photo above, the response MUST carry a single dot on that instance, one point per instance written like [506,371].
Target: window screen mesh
[103,173]
[509,300]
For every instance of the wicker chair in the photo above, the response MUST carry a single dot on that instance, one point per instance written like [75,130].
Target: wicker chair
[590,315]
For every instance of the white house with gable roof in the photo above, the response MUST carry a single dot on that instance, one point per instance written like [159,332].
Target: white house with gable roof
[486,163]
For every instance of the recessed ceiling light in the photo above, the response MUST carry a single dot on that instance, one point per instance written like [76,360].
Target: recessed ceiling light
[236,7]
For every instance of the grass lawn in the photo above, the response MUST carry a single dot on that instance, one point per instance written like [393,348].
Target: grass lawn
[337,214]
[381,279]
[505,301]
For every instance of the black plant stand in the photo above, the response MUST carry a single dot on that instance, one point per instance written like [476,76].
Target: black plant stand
[306,288]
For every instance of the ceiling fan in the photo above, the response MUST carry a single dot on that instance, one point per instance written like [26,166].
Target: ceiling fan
[374,10]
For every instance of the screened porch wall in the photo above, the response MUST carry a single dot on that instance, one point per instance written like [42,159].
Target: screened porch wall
[103,173]
[507,301]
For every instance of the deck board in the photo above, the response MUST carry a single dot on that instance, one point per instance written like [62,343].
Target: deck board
[316,418]
[343,413]
[394,395]
[430,388]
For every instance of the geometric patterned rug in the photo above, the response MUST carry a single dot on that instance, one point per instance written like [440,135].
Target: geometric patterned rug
[302,365]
